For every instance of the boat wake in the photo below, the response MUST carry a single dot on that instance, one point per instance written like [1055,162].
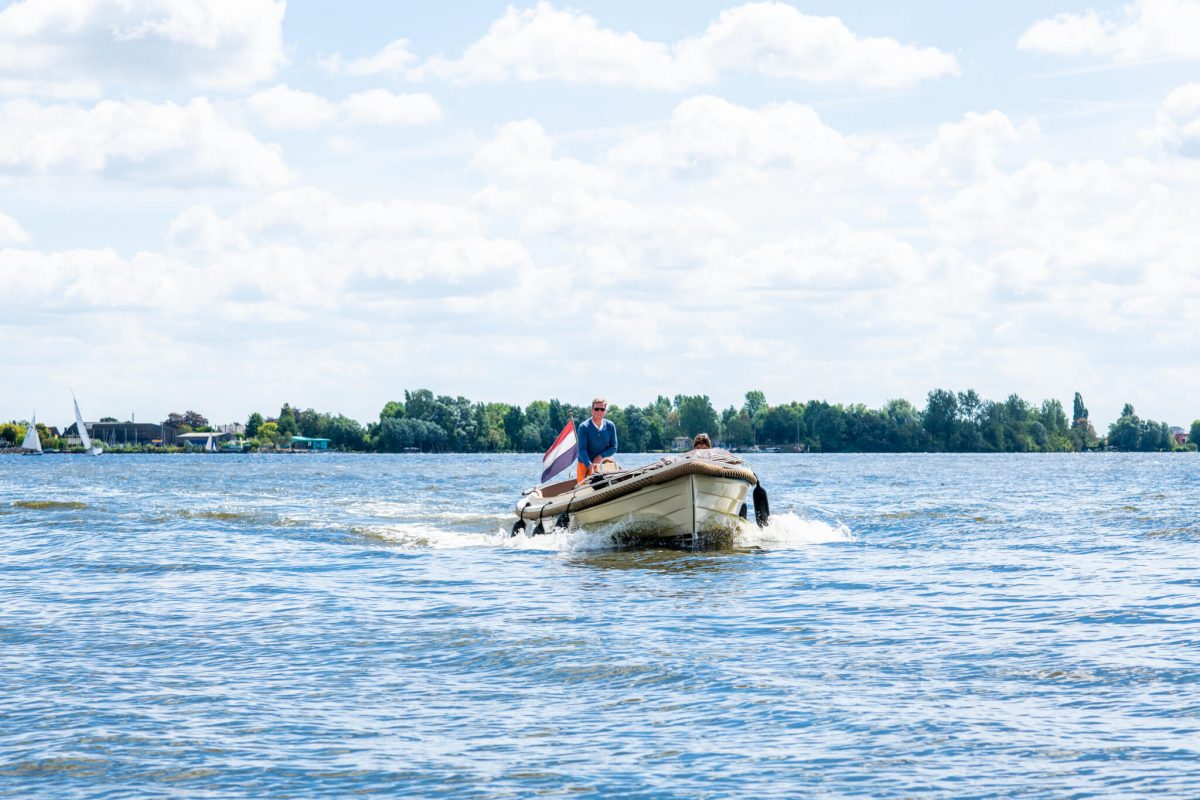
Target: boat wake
[784,532]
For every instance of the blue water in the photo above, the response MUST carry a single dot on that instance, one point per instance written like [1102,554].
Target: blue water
[336,626]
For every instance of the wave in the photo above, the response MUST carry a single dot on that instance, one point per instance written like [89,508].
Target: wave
[50,505]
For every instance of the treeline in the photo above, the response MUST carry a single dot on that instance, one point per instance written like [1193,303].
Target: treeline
[960,422]
[949,422]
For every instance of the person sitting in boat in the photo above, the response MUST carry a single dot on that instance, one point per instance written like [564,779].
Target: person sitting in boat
[702,447]
[597,440]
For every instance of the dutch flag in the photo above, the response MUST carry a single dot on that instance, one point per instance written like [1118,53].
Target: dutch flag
[560,455]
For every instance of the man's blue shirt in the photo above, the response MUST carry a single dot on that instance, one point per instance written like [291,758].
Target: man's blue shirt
[595,441]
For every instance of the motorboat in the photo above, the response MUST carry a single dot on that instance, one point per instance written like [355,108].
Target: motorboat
[694,499]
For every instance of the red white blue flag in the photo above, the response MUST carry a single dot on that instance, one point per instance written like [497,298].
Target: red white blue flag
[562,453]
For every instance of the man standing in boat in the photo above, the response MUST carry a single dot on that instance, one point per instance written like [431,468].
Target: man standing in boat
[597,440]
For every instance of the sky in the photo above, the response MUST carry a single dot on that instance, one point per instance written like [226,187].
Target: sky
[226,205]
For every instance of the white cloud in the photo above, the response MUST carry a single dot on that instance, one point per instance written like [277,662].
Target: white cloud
[381,107]
[837,257]
[723,245]
[1145,29]
[283,108]
[162,143]
[776,40]
[544,43]
[10,231]
[1177,128]
[220,44]
[721,141]
[709,129]
[393,59]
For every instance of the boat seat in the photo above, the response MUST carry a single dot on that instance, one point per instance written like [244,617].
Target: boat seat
[555,489]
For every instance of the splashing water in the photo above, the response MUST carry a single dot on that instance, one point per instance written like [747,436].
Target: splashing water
[785,531]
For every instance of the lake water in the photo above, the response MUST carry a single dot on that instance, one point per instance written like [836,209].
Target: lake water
[335,626]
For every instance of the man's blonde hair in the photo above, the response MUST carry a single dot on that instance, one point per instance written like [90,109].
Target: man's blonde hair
[600,400]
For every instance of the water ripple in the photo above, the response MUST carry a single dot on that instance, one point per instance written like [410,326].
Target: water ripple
[248,626]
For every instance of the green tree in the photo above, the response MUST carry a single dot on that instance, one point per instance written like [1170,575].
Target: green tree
[345,433]
[268,433]
[1082,433]
[756,401]
[1126,432]
[696,415]
[419,404]
[1080,410]
[531,438]
[1052,415]
[514,426]
[392,409]
[941,418]
[637,431]
[1194,434]
[253,424]
[737,430]
[968,436]
[287,421]
[826,426]
[782,425]
[904,429]
[12,433]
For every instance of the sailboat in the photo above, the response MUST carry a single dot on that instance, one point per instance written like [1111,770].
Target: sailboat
[88,447]
[209,447]
[33,443]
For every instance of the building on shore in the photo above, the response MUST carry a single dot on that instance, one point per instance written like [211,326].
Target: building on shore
[123,434]
[200,439]
[309,443]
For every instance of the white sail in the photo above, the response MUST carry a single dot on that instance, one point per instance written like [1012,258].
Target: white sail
[32,440]
[210,447]
[83,434]
[92,450]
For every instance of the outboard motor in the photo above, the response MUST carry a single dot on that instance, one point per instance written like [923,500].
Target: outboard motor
[762,508]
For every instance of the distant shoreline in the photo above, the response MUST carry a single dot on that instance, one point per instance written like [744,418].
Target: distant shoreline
[744,453]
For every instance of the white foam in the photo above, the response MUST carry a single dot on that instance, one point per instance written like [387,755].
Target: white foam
[783,532]
[786,531]
[561,540]
[429,537]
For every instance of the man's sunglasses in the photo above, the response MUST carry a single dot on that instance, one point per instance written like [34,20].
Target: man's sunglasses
[599,408]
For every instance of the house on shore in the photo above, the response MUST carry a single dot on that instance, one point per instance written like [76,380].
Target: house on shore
[309,443]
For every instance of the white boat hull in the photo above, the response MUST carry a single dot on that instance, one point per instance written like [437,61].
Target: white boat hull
[690,510]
